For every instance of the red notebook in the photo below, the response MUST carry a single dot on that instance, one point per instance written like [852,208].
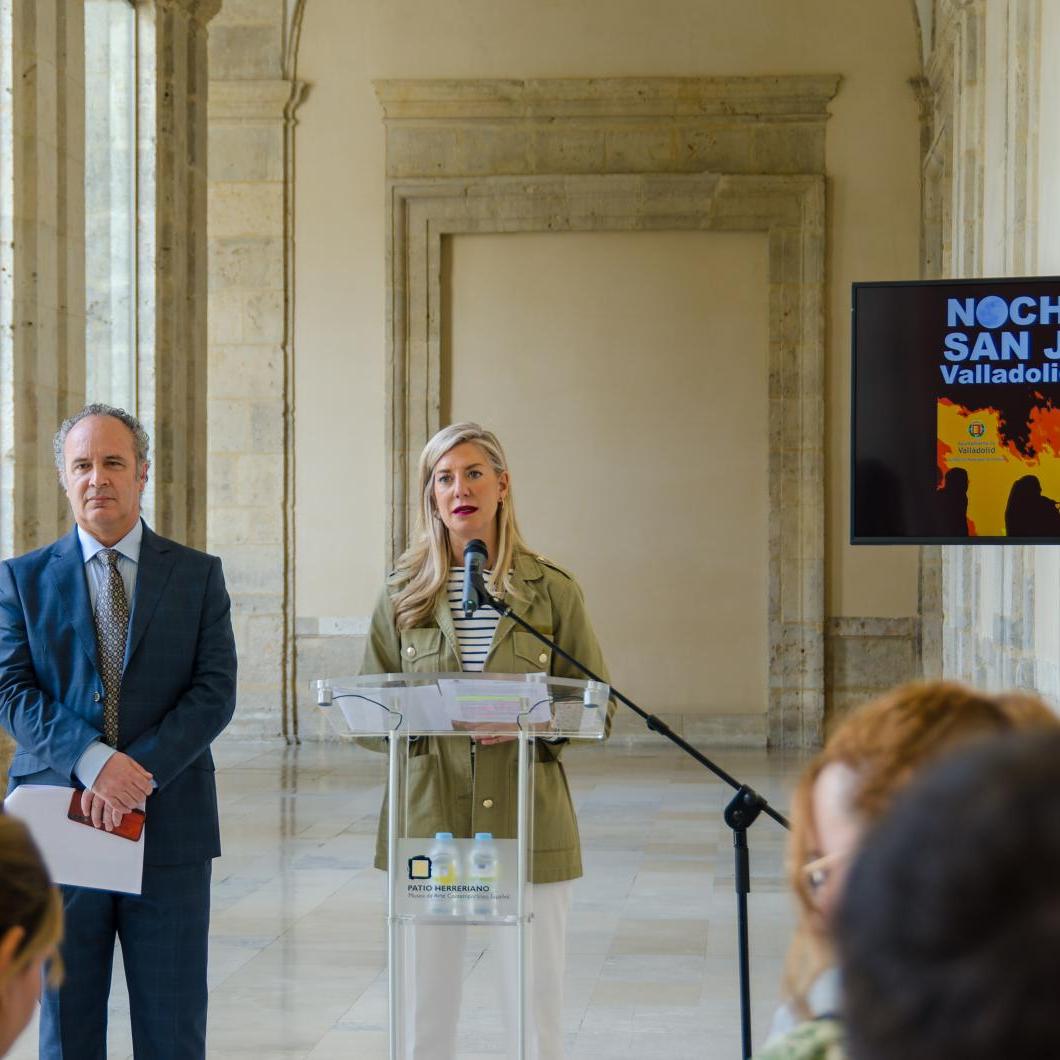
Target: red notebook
[131,827]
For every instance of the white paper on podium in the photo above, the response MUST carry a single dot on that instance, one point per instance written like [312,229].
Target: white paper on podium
[74,853]
[425,710]
[503,702]
[418,707]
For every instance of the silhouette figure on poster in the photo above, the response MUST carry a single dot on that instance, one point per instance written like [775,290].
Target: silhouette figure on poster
[1029,513]
[878,501]
[953,504]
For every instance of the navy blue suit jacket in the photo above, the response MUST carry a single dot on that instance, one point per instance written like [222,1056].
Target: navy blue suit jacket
[178,689]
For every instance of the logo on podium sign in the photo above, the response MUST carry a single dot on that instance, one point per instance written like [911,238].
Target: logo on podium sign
[420,867]
[437,886]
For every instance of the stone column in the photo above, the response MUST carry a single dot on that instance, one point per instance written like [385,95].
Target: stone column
[42,274]
[42,307]
[983,194]
[171,388]
[253,97]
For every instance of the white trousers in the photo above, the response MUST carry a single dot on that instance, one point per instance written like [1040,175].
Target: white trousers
[434,963]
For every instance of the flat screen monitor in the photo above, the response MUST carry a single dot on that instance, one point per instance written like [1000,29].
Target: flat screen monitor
[956,412]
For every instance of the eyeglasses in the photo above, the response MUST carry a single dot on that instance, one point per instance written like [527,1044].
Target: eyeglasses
[817,872]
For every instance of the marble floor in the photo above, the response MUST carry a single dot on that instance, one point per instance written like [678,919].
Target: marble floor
[297,943]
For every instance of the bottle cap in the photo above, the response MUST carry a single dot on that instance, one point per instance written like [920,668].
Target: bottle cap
[483,835]
[443,835]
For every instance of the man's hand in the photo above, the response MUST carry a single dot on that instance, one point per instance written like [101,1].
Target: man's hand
[101,815]
[122,785]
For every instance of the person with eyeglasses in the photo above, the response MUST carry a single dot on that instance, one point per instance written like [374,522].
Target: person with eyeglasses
[948,929]
[870,757]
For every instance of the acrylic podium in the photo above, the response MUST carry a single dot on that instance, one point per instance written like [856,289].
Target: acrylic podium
[440,877]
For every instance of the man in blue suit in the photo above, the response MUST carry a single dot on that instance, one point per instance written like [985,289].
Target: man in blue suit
[117,670]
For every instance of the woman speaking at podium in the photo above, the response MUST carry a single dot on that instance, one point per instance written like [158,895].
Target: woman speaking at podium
[419,625]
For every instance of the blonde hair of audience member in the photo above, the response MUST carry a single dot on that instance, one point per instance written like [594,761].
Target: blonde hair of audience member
[869,758]
[31,918]
[423,569]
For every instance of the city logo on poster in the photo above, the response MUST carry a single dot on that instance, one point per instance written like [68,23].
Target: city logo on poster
[977,428]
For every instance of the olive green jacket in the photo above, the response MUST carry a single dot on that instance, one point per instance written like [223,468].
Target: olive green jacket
[455,789]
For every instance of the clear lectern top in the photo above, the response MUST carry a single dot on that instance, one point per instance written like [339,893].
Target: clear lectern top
[482,704]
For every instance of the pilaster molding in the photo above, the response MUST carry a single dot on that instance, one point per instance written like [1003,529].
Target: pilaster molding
[252,100]
[606,125]
[931,611]
[791,211]
[731,99]
[171,385]
[925,98]
[252,526]
[981,188]
[199,10]
[294,13]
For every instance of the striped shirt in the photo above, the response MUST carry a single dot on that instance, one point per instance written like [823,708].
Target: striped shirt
[475,634]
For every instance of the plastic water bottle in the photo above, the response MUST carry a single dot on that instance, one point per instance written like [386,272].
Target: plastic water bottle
[445,872]
[483,872]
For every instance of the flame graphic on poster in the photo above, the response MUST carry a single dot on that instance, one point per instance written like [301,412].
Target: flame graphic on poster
[992,483]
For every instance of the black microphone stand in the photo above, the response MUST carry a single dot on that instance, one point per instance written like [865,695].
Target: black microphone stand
[740,813]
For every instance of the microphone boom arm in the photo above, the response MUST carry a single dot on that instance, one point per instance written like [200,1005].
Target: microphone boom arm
[656,724]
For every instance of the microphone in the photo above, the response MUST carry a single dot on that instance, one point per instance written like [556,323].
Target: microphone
[475,556]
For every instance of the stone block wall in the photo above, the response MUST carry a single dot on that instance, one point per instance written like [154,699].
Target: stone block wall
[864,657]
[249,493]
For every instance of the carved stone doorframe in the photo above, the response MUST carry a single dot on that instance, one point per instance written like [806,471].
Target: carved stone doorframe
[788,207]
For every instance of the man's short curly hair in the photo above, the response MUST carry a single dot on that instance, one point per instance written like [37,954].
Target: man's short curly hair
[141,443]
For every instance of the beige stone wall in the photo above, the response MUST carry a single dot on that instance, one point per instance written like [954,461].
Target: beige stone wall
[437,130]
[653,348]
[871,159]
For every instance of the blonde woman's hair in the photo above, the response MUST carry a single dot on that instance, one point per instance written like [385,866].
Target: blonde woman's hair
[886,742]
[422,572]
[28,900]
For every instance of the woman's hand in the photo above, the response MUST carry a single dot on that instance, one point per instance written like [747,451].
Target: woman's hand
[503,732]
[486,741]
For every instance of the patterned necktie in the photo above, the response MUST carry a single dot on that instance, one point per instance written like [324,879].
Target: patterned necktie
[112,627]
